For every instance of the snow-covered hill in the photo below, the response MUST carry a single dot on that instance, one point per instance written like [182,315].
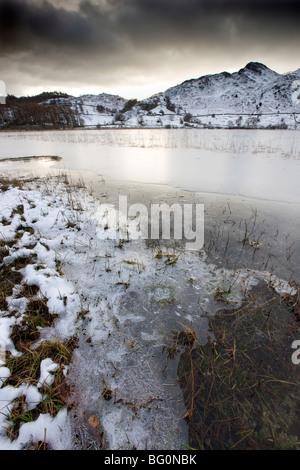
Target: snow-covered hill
[255,96]
[94,109]
[239,92]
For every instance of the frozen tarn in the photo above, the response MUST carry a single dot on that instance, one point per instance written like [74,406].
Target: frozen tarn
[256,164]
[124,303]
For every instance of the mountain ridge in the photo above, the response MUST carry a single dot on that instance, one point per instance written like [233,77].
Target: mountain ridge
[255,91]
[253,97]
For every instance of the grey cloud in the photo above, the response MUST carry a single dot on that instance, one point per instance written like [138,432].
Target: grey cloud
[93,40]
[106,23]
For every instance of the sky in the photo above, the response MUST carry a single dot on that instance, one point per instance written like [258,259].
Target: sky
[135,48]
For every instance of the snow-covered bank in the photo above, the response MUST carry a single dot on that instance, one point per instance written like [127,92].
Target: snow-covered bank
[121,300]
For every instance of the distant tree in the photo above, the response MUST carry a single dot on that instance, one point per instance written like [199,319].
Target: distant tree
[170,106]
[28,114]
[129,105]
[239,121]
[187,117]
[148,105]
[119,117]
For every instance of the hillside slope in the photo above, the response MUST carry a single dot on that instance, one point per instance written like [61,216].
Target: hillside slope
[253,97]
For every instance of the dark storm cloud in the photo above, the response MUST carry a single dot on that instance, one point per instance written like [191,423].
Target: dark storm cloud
[23,24]
[99,24]
[91,40]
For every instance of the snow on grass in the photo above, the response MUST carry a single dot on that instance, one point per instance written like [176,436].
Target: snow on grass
[4,374]
[120,300]
[6,324]
[47,378]
[55,432]
[29,219]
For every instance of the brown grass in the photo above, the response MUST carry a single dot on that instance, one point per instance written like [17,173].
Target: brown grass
[241,389]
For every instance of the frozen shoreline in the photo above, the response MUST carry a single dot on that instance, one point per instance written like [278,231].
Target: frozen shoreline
[122,303]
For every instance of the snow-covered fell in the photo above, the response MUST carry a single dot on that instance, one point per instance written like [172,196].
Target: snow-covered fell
[255,96]
[94,109]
